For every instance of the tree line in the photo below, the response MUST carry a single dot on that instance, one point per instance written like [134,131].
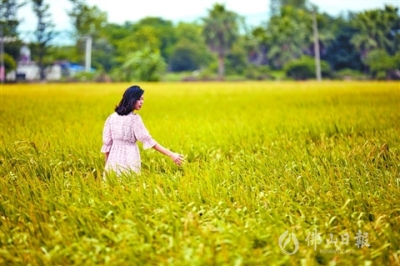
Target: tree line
[218,46]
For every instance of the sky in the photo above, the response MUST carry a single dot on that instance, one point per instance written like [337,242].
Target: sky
[120,11]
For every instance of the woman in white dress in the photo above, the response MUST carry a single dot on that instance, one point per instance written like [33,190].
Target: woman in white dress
[121,132]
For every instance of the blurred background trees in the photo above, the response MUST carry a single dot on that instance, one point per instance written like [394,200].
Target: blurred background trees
[44,33]
[220,31]
[8,27]
[219,45]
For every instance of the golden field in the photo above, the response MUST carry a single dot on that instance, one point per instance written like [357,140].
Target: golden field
[317,161]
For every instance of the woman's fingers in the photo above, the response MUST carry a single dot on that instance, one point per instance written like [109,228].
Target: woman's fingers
[179,159]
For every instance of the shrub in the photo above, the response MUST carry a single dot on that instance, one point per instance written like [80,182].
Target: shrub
[381,64]
[254,72]
[143,65]
[9,63]
[304,68]
[85,76]
[349,74]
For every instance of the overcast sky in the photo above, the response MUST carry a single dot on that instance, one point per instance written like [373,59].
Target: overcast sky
[119,11]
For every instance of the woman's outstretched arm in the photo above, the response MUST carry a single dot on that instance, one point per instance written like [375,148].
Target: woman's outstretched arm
[176,157]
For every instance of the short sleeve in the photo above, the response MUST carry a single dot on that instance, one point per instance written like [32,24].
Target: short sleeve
[107,137]
[142,134]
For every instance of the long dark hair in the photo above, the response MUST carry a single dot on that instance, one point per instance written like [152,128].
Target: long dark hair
[127,104]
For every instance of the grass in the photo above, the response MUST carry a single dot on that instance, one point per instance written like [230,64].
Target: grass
[261,159]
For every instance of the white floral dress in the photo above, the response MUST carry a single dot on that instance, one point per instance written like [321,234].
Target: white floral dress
[120,134]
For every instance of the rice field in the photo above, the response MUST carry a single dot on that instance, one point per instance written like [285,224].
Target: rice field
[275,174]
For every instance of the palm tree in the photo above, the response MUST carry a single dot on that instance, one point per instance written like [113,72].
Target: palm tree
[287,35]
[220,30]
[376,30]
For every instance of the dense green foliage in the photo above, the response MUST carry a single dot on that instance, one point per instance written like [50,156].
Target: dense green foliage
[9,16]
[142,65]
[9,62]
[381,64]
[261,158]
[304,68]
[221,31]
[345,41]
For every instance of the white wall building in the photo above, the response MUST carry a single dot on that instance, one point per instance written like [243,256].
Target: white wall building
[53,72]
[28,72]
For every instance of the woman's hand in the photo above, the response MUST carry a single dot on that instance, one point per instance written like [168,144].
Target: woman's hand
[177,158]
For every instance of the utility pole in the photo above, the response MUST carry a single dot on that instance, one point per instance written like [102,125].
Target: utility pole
[316,48]
[2,70]
[88,53]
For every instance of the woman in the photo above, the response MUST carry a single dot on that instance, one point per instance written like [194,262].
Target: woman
[123,129]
